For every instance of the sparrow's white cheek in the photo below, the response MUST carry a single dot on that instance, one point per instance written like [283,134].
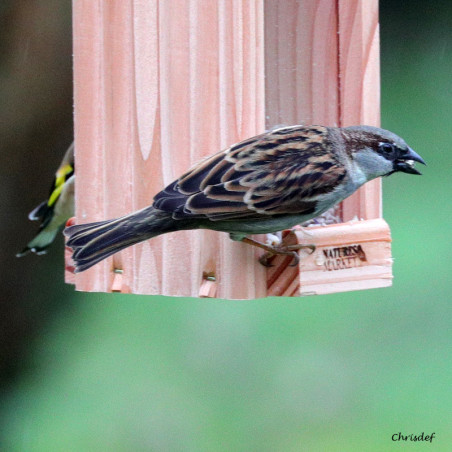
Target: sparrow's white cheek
[370,165]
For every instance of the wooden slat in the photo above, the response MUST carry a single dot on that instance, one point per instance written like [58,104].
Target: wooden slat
[89,125]
[301,55]
[359,72]
[158,86]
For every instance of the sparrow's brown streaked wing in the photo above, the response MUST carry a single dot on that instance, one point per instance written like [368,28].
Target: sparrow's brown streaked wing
[276,173]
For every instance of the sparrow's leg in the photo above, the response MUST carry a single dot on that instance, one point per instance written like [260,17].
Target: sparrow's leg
[286,250]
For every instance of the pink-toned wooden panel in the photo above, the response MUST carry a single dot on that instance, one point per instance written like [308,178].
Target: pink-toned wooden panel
[301,51]
[158,86]
[359,66]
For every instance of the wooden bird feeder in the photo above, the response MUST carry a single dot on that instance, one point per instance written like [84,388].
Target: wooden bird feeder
[161,84]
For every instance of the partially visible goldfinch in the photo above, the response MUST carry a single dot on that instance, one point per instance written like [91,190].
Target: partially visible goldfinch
[57,209]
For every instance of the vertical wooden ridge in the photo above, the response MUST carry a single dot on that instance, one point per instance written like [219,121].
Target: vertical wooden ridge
[359,68]
[88,122]
[301,60]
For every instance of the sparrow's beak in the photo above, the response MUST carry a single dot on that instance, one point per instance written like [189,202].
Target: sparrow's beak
[405,162]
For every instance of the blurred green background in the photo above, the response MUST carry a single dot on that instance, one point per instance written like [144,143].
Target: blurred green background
[92,372]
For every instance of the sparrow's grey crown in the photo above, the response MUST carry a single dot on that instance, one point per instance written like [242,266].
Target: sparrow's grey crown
[377,135]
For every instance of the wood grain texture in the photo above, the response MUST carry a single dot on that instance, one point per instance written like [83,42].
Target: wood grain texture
[359,74]
[158,86]
[301,54]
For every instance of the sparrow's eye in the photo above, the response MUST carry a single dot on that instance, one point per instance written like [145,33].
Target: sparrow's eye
[386,149]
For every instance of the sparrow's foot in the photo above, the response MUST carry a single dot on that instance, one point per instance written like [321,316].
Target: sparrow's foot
[285,250]
[288,250]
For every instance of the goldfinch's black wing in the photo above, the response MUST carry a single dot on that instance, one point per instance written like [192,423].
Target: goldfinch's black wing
[44,211]
[280,172]
[54,212]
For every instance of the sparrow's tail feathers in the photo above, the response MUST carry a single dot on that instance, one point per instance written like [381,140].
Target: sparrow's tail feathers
[94,242]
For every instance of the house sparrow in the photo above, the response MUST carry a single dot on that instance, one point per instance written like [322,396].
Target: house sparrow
[267,183]
[55,211]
